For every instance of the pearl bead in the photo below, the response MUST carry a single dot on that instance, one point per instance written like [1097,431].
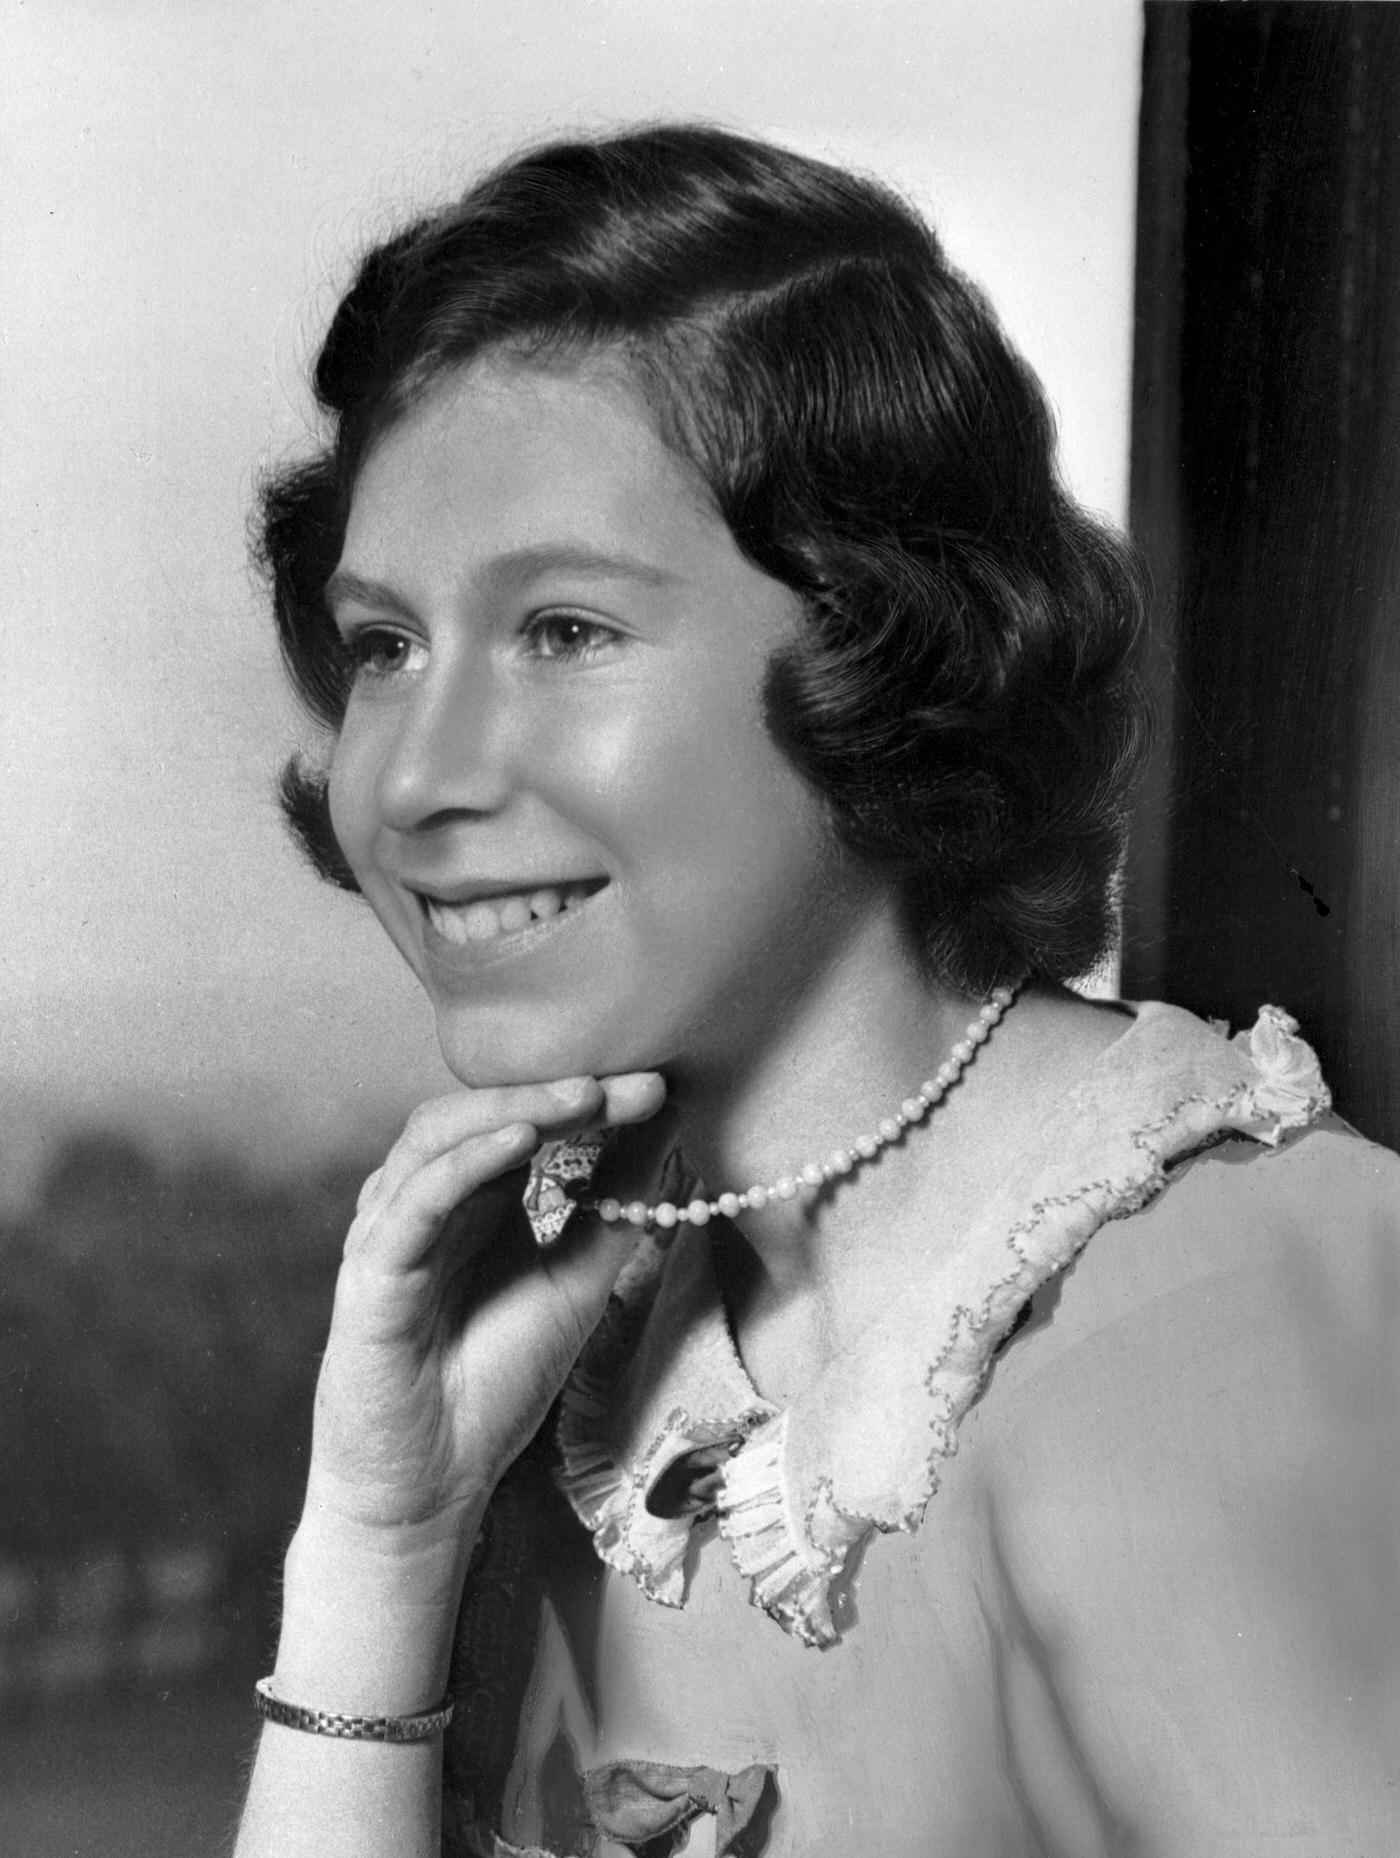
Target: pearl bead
[841,1160]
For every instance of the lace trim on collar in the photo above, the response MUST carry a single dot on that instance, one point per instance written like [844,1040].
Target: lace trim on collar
[661,1376]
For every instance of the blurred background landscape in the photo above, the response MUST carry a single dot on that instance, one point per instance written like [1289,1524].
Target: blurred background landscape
[202,1052]
[160,1325]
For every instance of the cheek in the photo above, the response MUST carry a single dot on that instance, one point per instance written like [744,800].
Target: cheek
[733,787]
[351,793]
[691,789]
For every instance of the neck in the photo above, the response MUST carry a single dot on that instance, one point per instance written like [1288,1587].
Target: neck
[862,1043]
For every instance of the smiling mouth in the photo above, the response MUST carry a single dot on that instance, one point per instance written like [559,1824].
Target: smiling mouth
[487,919]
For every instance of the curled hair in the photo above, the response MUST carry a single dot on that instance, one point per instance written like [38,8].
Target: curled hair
[960,694]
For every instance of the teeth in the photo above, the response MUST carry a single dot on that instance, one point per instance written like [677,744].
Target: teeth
[448,923]
[480,923]
[484,920]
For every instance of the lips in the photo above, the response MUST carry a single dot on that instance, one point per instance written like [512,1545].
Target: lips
[485,918]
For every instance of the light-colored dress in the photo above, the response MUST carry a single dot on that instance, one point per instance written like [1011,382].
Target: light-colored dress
[931,1669]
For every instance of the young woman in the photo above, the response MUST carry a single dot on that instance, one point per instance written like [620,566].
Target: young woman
[730,726]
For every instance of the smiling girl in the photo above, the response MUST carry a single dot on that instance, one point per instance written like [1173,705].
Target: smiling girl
[731,726]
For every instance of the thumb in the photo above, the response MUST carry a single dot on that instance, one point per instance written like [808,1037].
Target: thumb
[585,1265]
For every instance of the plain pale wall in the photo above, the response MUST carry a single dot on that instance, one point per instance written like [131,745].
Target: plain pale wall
[186,183]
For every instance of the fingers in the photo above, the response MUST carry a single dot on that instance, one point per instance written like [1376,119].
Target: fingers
[583,1269]
[399,1221]
[442,1123]
[632,1097]
[452,1146]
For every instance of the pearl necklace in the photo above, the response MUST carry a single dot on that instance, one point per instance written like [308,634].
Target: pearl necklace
[816,1174]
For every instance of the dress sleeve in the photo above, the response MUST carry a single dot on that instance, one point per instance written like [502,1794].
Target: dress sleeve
[1196,1514]
[515,1675]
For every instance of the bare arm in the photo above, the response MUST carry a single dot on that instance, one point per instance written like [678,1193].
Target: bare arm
[450,1337]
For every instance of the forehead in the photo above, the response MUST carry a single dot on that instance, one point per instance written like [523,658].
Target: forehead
[508,455]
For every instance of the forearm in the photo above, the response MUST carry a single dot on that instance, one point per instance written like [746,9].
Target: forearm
[366,1629]
[451,1334]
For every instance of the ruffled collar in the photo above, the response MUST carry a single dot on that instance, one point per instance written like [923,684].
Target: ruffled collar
[798,1488]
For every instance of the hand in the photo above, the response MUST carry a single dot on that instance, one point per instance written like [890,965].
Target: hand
[452,1332]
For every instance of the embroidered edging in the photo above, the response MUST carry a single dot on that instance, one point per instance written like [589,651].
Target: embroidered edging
[791,1566]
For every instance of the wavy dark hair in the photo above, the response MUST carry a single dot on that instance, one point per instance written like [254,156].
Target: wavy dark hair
[961,693]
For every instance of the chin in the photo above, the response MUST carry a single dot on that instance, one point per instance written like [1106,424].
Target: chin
[484,1056]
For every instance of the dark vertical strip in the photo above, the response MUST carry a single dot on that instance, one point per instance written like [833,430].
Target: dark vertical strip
[1371,903]
[1268,512]
[1154,516]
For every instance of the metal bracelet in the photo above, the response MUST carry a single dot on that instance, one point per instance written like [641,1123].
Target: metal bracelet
[420,1728]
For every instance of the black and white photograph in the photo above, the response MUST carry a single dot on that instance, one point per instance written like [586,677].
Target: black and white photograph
[700,929]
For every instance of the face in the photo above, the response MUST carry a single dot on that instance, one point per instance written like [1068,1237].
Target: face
[553,781]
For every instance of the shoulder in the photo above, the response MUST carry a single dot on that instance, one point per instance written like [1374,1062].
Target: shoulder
[1273,1236]
[1201,1216]
[1245,1305]
[1193,1466]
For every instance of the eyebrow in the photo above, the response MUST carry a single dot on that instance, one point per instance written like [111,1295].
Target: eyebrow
[525,564]
[346,589]
[519,566]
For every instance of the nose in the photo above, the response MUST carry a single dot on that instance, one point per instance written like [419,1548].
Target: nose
[451,754]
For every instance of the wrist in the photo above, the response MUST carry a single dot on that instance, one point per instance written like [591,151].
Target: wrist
[421,1551]
[369,1614]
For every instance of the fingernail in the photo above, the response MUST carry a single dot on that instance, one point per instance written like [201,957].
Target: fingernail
[569,1090]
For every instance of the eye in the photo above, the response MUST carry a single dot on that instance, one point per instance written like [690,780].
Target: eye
[566,635]
[376,651]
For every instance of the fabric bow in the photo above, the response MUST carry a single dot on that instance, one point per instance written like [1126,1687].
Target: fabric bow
[647,1805]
